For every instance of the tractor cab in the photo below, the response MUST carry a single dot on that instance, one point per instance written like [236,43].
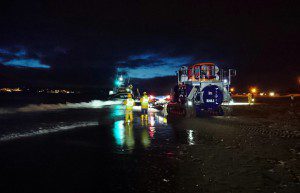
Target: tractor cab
[202,72]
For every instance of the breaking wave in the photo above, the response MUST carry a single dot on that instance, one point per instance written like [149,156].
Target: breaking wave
[43,131]
[60,106]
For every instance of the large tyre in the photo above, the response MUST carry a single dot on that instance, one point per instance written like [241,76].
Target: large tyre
[190,112]
[220,111]
[227,110]
[168,110]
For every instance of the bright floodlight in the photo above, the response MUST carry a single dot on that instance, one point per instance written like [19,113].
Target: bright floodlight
[117,83]
[253,90]
[271,94]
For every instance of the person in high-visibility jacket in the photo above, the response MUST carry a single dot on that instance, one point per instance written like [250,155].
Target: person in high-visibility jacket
[129,103]
[144,104]
[250,98]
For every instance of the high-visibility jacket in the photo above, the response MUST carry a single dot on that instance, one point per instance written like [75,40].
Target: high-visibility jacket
[249,97]
[129,103]
[145,102]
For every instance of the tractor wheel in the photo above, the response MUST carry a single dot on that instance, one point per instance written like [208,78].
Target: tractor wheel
[220,111]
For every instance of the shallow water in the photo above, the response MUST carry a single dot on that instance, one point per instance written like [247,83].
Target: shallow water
[36,120]
[84,148]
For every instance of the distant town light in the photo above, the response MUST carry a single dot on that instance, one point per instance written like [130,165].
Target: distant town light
[10,90]
[232,89]
[225,81]
[272,94]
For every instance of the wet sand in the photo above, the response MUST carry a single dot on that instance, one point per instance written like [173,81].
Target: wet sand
[79,161]
[252,149]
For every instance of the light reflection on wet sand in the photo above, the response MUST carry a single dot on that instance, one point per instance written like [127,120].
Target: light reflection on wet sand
[140,133]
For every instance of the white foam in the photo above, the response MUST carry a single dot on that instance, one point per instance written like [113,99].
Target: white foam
[6,111]
[150,110]
[43,131]
[60,106]
[232,103]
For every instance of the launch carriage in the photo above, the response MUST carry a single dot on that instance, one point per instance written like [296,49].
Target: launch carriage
[201,88]
[122,87]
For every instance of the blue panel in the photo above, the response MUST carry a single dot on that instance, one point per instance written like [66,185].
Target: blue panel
[212,97]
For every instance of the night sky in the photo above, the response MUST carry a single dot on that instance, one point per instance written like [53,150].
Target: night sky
[79,44]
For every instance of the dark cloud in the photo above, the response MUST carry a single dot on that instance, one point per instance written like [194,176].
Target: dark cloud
[151,85]
[84,41]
